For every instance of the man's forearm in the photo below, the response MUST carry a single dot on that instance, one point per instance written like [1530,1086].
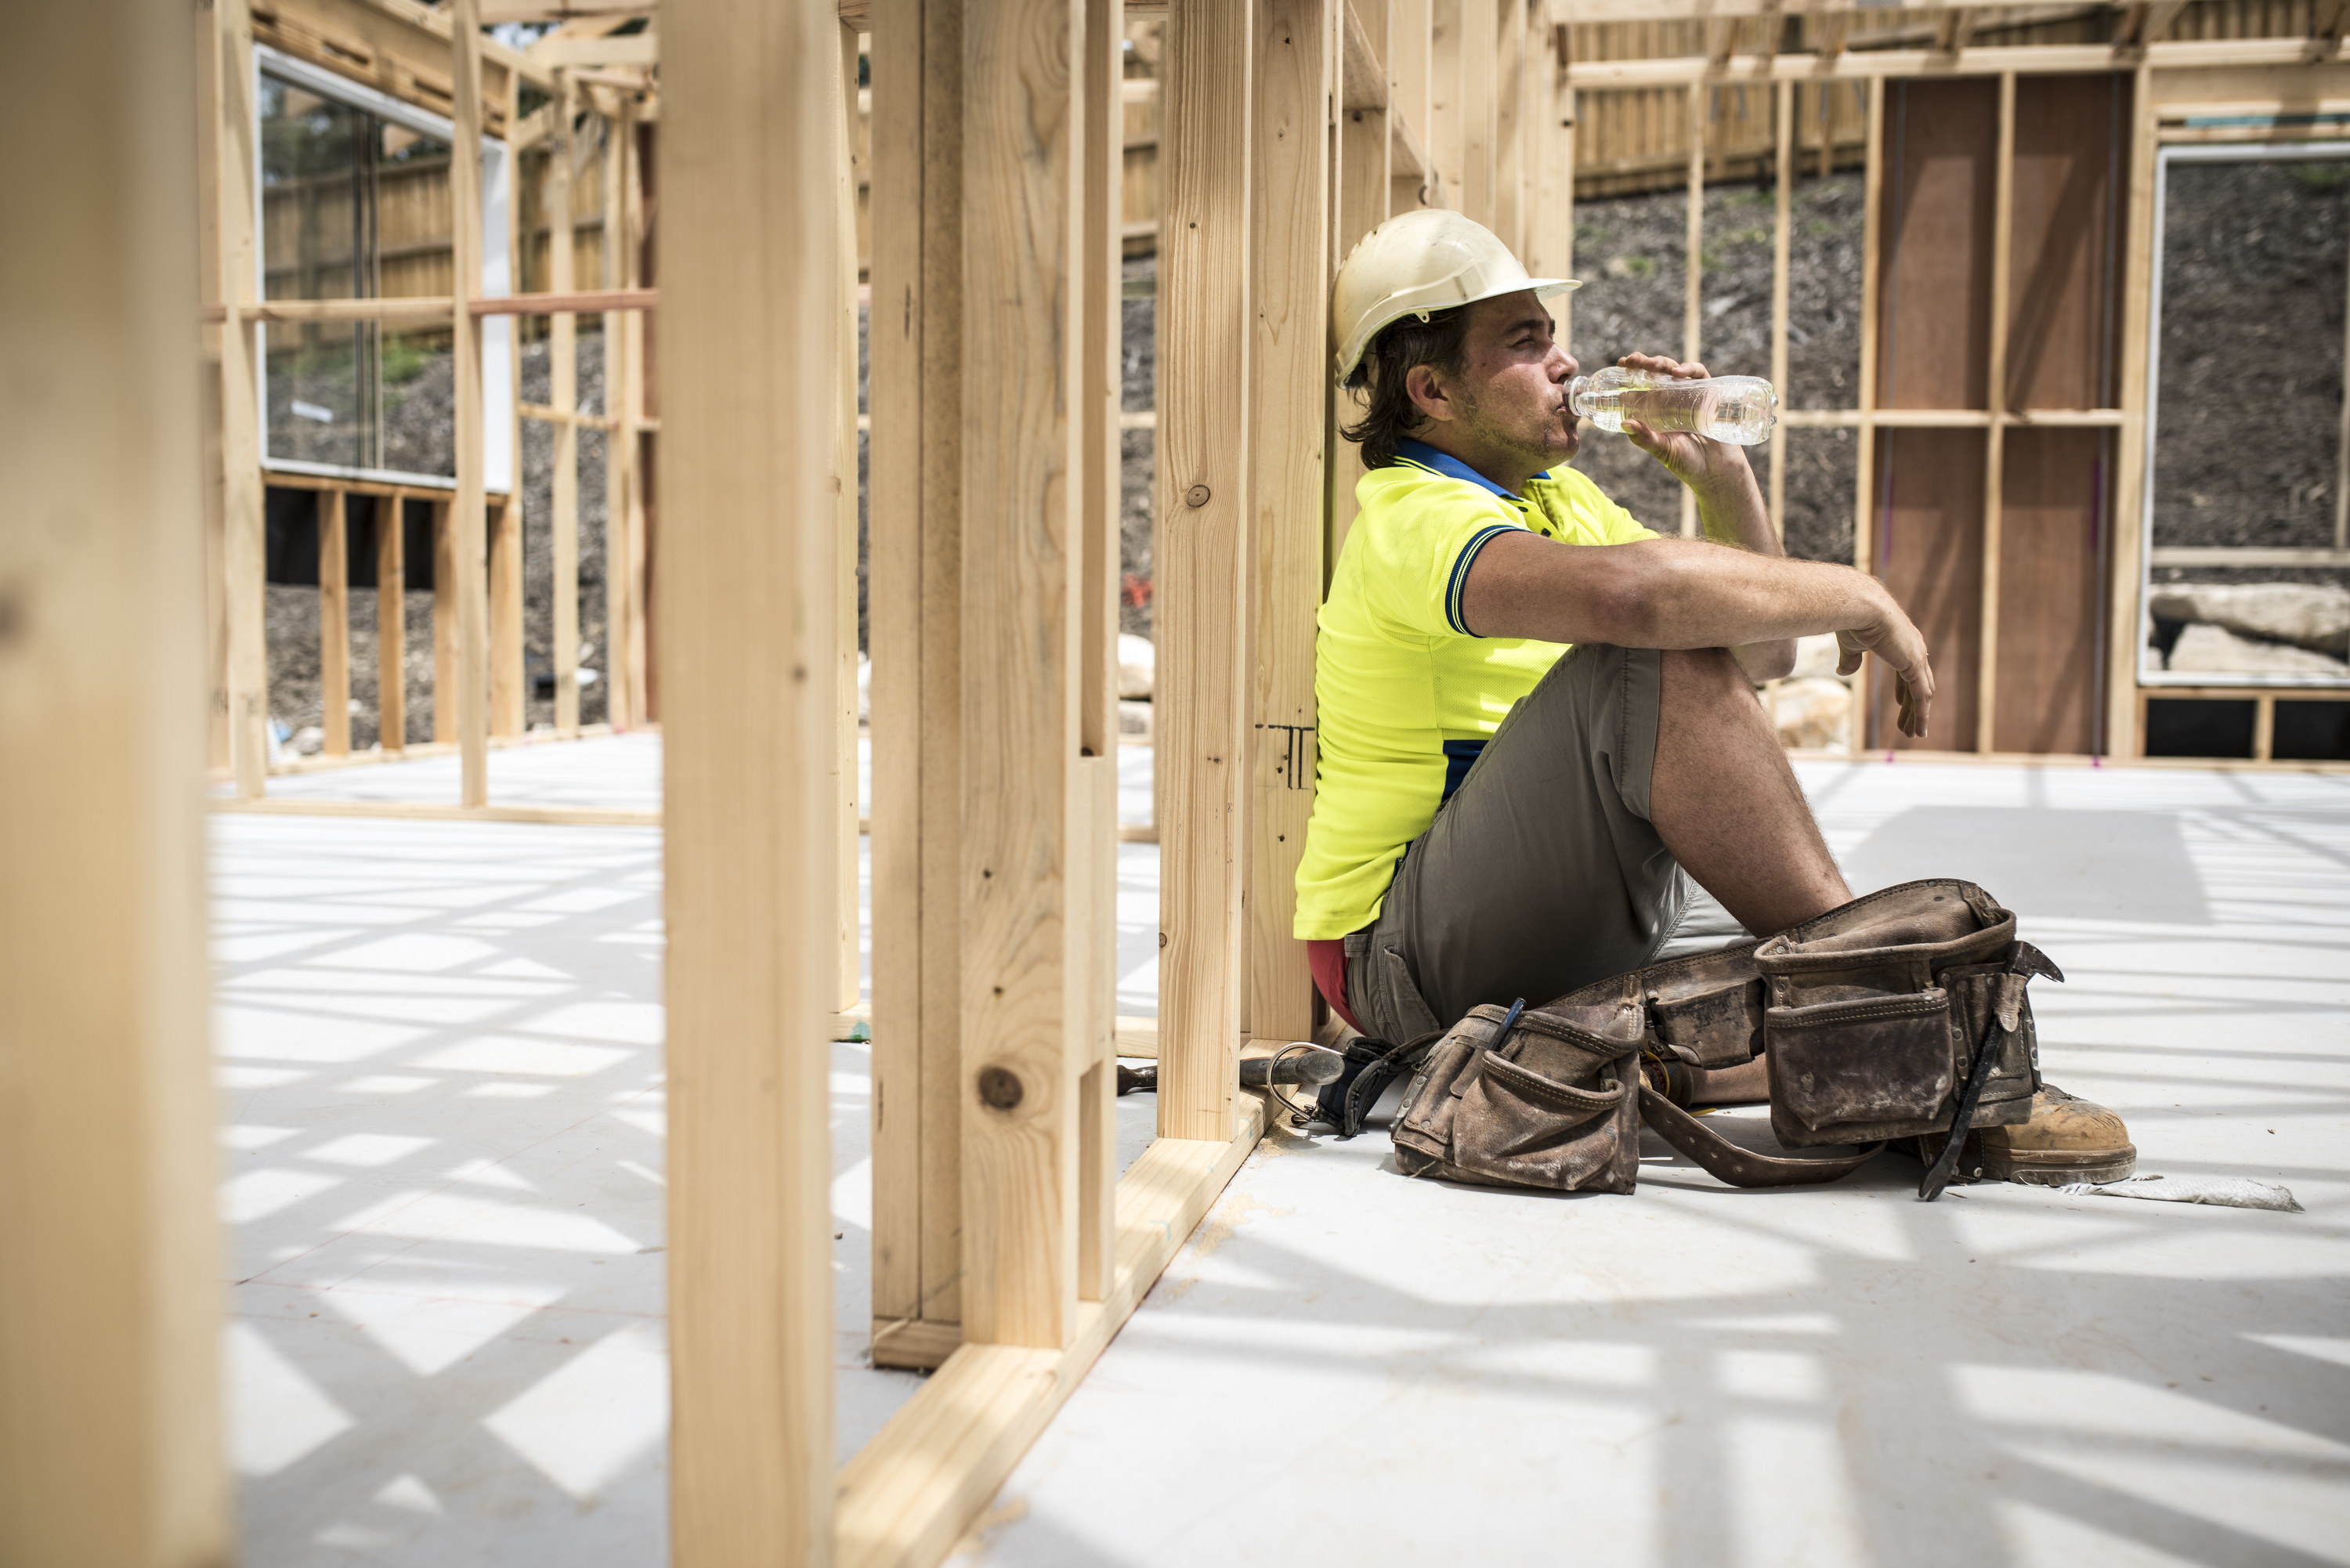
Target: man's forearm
[1661,593]
[1730,509]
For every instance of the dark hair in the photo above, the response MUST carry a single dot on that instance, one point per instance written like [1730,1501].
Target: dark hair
[1402,344]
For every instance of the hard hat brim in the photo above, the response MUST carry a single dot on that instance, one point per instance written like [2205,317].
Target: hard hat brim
[1397,306]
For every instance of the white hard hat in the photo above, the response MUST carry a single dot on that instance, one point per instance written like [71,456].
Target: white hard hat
[1417,262]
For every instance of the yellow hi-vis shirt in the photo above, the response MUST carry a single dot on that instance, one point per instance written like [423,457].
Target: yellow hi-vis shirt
[1406,693]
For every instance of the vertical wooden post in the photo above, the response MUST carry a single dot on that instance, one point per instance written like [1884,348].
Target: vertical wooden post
[563,396]
[636,662]
[506,614]
[2003,229]
[916,598]
[109,1423]
[1511,130]
[1480,109]
[243,526]
[746,584]
[1693,262]
[1205,559]
[2124,731]
[1863,510]
[391,622]
[471,715]
[1784,171]
[334,625]
[1363,184]
[619,440]
[1447,132]
[1406,52]
[1288,358]
[1095,869]
[849,981]
[444,622]
[1021,549]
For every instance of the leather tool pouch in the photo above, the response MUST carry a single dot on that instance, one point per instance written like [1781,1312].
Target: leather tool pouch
[1899,1014]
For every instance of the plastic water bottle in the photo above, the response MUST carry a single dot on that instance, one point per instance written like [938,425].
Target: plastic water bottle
[1737,408]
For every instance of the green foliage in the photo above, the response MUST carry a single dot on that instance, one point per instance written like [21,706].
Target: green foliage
[2319,176]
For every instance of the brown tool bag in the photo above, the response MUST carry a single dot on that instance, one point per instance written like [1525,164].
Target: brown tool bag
[1898,1015]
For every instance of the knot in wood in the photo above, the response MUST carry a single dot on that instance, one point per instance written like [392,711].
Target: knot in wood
[1196,496]
[999,1088]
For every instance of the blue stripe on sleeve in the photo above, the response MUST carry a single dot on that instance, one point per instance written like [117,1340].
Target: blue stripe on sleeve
[1459,579]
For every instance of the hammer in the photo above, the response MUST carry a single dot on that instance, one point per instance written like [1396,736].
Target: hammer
[1299,1064]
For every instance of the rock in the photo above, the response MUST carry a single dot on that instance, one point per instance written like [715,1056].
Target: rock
[1813,714]
[2215,651]
[2309,615]
[1135,719]
[309,741]
[1138,665]
[1815,656]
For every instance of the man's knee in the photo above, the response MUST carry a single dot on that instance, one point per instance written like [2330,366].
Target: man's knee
[1703,675]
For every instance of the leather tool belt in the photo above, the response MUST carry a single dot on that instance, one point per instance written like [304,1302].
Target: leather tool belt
[1902,1015]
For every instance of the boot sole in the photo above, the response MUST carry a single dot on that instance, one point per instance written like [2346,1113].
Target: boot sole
[2061,1167]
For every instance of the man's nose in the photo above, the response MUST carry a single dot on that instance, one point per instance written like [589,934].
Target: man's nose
[1563,365]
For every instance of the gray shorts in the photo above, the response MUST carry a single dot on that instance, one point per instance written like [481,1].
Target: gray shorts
[1542,873]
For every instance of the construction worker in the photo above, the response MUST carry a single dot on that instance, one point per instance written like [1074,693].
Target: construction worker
[1542,761]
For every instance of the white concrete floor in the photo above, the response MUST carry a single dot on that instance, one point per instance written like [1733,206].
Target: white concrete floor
[440,1064]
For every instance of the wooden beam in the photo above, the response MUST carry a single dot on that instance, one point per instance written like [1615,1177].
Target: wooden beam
[2002,232]
[1365,185]
[444,622]
[111,1444]
[1480,110]
[847,897]
[2123,736]
[1093,895]
[506,616]
[581,302]
[563,389]
[1022,515]
[334,625]
[1205,557]
[631,50]
[1872,228]
[1448,129]
[1782,229]
[1510,127]
[1414,180]
[620,447]
[2030,59]
[469,514]
[635,661]
[1693,261]
[750,203]
[243,499]
[440,810]
[1288,359]
[391,623]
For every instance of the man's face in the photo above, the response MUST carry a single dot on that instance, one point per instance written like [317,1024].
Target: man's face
[1511,390]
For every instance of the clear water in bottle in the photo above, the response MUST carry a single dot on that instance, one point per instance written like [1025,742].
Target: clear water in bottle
[1737,408]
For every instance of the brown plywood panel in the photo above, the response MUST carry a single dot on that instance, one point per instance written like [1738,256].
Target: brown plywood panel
[2071,135]
[2053,499]
[1930,553]
[1940,141]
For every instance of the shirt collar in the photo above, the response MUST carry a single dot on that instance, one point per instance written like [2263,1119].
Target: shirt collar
[1451,467]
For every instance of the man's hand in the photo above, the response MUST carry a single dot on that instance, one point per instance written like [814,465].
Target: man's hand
[1696,462]
[1898,641]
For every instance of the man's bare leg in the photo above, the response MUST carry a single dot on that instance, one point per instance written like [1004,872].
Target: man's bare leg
[1726,804]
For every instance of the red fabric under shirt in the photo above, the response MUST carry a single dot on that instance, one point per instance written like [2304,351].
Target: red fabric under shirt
[1327,961]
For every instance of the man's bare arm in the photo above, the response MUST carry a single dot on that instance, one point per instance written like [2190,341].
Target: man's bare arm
[1683,593]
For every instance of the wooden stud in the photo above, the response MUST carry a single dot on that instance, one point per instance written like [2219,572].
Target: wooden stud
[2125,713]
[243,499]
[2341,434]
[635,661]
[469,516]
[2263,726]
[1205,558]
[620,443]
[1365,181]
[1995,443]
[750,203]
[1022,514]
[849,982]
[391,623]
[506,616]
[916,573]
[1408,61]
[110,1447]
[444,622]
[1872,226]
[1480,109]
[563,393]
[1094,861]
[1447,130]
[334,625]
[1511,103]
[1693,262]
[1782,227]
[1289,287]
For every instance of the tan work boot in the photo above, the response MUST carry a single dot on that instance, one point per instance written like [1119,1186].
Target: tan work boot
[2068,1139]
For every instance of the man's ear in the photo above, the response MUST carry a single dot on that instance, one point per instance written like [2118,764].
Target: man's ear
[1426,389]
